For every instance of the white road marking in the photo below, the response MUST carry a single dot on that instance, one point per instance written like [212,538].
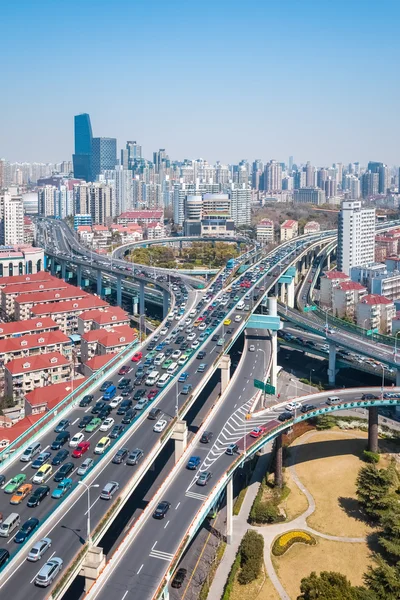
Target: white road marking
[25,467]
[166,525]
[176,507]
[76,420]
[154,545]
[91,506]
[140,568]
[161,555]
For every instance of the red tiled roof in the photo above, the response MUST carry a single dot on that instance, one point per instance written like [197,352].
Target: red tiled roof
[153,225]
[35,286]
[51,395]
[12,433]
[36,363]
[69,306]
[335,275]
[265,222]
[375,299]
[289,223]
[56,296]
[98,362]
[121,336]
[351,285]
[141,214]
[28,326]
[84,228]
[34,340]
[40,276]
[99,228]
[113,315]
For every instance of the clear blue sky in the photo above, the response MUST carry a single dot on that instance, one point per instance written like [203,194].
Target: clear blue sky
[221,79]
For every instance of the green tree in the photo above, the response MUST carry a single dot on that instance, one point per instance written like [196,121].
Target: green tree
[390,535]
[330,585]
[373,486]
[384,580]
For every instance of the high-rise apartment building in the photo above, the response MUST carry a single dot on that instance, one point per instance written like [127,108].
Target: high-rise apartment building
[47,201]
[310,175]
[11,219]
[95,199]
[356,236]
[240,196]
[104,155]
[131,153]
[369,184]
[273,176]
[83,147]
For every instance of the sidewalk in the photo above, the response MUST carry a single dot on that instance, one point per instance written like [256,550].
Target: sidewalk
[240,526]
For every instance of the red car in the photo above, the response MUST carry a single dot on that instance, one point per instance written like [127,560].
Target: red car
[152,394]
[81,449]
[137,356]
[124,370]
[258,431]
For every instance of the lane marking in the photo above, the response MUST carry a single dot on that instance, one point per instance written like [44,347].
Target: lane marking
[140,568]
[166,525]
[177,506]
[154,545]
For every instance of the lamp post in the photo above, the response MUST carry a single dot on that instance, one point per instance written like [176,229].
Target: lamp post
[311,371]
[264,372]
[94,485]
[326,318]
[383,380]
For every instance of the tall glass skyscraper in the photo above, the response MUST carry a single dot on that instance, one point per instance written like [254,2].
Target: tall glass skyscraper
[104,155]
[82,159]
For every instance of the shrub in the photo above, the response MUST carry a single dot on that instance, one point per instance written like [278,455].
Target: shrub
[231,578]
[371,457]
[285,541]
[251,557]
[324,422]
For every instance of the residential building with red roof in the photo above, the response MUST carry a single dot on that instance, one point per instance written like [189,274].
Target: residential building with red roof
[25,302]
[312,227]
[34,325]
[10,292]
[376,312]
[66,313]
[106,341]
[328,282]
[34,344]
[346,295]
[155,231]
[44,399]
[18,260]
[114,316]
[23,375]
[289,229]
[96,363]
[142,217]
[265,231]
[28,278]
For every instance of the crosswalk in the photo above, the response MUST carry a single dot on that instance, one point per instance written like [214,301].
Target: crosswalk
[167,556]
[196,496]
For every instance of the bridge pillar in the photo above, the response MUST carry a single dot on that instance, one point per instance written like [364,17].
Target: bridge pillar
[332,364]
[135,300]
[141,298]
[92,566]
[397,377]
[64,270]
[99,283]
[272,311]
[52,266]
[373,429]
[277,287]
[328,262]
[225,367]
[278,461]
[165,303]
[290,294]
[179,435]
[79,275]
[229,511]
[303,266]
[119,290]
[283,292]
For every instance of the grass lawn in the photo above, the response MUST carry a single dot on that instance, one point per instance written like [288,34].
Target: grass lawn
[295,503]
[300,560]
[327,463]
[260,589]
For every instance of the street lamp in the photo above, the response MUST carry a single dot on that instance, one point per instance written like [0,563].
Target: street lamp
[326,317]
[311,371]
[383,380]
[94,485]
[264,371]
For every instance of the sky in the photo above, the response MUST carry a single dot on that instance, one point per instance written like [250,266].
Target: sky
[221,80]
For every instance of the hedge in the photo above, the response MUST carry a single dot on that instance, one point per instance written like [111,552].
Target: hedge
[286,540]
[371,457]
[251,557]
[231,578]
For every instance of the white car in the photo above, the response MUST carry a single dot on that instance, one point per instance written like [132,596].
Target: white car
[107,424]
[182,360]
[188,321]
[177,317]
[160,425]
[164,331]
[292,406]
[238,318]
[76,440]
[202,326]
[116,401]
[191,336]
[195,344]
[176,354]
[252,348]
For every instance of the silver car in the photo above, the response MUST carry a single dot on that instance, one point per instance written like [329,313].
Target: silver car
[134,456]
[37,551]
[85,466]
[49,572]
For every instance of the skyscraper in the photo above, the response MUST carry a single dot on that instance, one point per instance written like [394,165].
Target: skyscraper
[104,155]
[356,236]
[273,176]
[11,219]
[83,147]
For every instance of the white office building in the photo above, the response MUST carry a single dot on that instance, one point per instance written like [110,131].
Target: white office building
[356,235]
[240,196]
[11,219]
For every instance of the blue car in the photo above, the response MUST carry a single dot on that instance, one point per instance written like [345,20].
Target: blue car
[62,488]
[183,377]
[193,463]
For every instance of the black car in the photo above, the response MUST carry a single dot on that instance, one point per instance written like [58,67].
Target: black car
[369,397]
[124,383]
[180,339]
[127,391]
[116,431]
[139,394]
[151,346]
[84,421]
[2,479]
[162,510]
[86,400]
[179,578]
[206,437]
[184,346]
[4,556]
[26,530]
[129,416]
[285,416]
[140,379]
[307,407]
[62,426]
[154,414]
[201,354]
[60,457]
[124,406]
[97,407]
[168,351]
[105,385]
[63,471]
[121,456]
[105,412]
[38,495]
[229,331]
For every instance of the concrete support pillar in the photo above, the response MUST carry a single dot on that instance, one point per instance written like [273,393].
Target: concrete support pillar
[179,435]
[92,566]
[297,276]
[135,301]
[229,511]
[328,262]
[64,270]
[283,292]
[79,275]
[52,266]
[99,283]
[141,298]
[397,377]
[165,303]
[277,287]
[332,364]
[278,461]
[373,429]
[303,266]
[225,366]
[290,294]
[119,290]
[272,310]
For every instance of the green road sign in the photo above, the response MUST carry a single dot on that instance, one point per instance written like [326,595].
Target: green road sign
[372,331]
[265,387]
[308,308]
[259,384]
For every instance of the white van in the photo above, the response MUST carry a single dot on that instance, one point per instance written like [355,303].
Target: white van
[240,305]
[11,523]
[159,359]
[152,378]
[163,380]
[30,452]
[192,313]
[172,368]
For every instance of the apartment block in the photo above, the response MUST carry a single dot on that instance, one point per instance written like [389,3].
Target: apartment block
[376,312]
[66,314]
[328,282]
[26,302]
[10,292]
[265,231]
[16,329]
[141,217]
[23,375]
[346,296]
[114,316]
[42,400]
[312,227]
[289,230]
[106,341]
[387,285]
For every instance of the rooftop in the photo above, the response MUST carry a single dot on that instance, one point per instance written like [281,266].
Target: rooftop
[51,395]
[35,286]
[70,306]
[33,340]
[373,299]
[289,223]
[351,285]
[98,362]
[141,214]
[40,276]
[52,295]
[335,275]
[36,363]
[28,326]
[10,434]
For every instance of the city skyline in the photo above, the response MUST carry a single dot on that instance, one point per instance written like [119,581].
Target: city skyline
[279,81]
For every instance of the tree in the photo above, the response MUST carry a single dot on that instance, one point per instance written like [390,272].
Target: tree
[390,521]
[373,487]
[330,585]
[384,580]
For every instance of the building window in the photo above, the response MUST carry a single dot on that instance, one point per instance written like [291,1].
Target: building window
[10,269]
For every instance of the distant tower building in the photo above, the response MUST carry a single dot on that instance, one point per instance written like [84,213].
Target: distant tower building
[11,219]
[290,163]
[83,147]
[369,184]
[356,236]
[273,177]
[104,155]
[310,175]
